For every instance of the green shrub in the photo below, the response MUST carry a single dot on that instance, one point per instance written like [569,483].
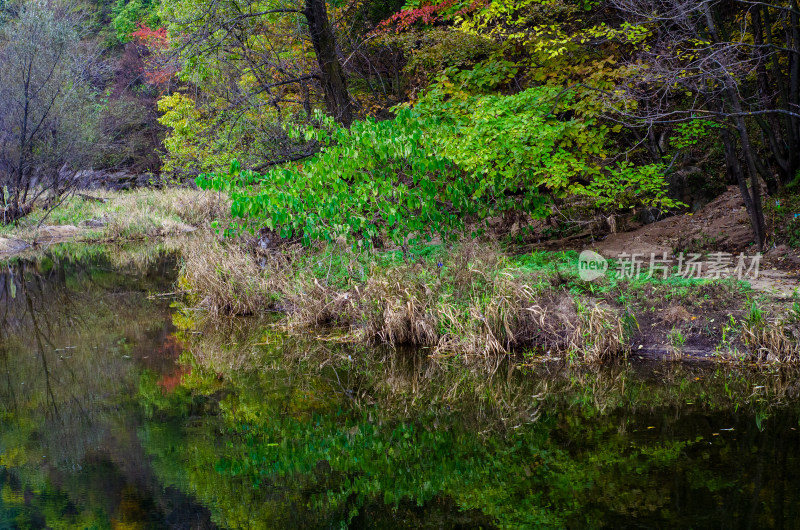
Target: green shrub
[452,160]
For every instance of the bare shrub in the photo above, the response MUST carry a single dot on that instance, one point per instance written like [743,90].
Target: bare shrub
[47,120]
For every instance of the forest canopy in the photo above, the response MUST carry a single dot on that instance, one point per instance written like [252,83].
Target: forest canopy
[382,120]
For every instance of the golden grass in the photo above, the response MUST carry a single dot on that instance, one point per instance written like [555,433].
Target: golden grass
[137,214]
[223,278]
[478,309]
[770,341]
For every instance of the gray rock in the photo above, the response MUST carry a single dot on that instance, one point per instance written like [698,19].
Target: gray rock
[12,246]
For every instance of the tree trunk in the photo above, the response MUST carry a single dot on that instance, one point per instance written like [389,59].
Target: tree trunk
[752,199]
[754,210]
[334,85]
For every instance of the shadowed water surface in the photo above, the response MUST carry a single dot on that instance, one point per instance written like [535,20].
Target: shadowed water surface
[121,408]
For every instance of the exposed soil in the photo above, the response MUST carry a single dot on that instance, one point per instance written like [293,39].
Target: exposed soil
[722,225]
[695,331]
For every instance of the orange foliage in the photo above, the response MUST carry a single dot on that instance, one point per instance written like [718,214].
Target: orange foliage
[158,71]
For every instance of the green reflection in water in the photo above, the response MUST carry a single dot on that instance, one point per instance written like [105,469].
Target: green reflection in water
[315,435]
[120,411]
[76,331]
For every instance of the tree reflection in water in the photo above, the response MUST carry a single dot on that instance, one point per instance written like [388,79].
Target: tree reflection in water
[119,410]
[75,335]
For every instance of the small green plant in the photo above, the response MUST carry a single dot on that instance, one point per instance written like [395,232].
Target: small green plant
[791,232]
[755,316]
[729,330]
[793,315]
[676,338]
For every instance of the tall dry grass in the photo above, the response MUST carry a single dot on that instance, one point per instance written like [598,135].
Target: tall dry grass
[225,279]
[771,341]
[474,307]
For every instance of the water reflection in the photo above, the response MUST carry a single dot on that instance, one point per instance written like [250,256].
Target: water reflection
[120,409]
[75,334]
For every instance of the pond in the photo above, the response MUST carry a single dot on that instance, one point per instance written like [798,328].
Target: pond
[120,407]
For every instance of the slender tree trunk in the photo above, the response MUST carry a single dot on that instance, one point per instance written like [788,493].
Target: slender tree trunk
[334,85]
[752,199]
[759,224]
[754,211]
[770,126]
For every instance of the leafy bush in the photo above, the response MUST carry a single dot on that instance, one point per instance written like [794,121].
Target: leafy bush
[129,14]
[783,214]
[449,161]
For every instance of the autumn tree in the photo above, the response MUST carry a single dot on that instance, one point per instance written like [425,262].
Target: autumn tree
[255,67]
[46,113]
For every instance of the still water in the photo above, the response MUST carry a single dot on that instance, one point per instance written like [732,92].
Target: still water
[122,408]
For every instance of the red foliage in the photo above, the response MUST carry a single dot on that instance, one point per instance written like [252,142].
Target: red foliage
[152,38]
[428,14]
[158,71]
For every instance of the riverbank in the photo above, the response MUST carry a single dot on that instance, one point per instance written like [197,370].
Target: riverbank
[119,403]
[109,216]
[475,298]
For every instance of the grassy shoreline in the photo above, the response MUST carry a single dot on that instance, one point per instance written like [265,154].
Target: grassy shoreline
[120,216]
[473,298]
[476,300]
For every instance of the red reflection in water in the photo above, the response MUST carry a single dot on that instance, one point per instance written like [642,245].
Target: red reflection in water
[172,377]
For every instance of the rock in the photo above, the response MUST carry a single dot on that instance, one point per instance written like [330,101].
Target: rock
[777,252]
[91,179]
[55,233]
[650,215]
[12,246]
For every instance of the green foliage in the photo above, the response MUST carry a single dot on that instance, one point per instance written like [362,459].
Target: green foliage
[755,316]
[452,159]
[432,51]
[783,214]
[690,133]
[127,15]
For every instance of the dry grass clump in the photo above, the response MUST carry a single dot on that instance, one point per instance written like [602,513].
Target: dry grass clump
[311,303]
[473,305]
[225,279]
[600,335]
[771,341]
[399,307]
